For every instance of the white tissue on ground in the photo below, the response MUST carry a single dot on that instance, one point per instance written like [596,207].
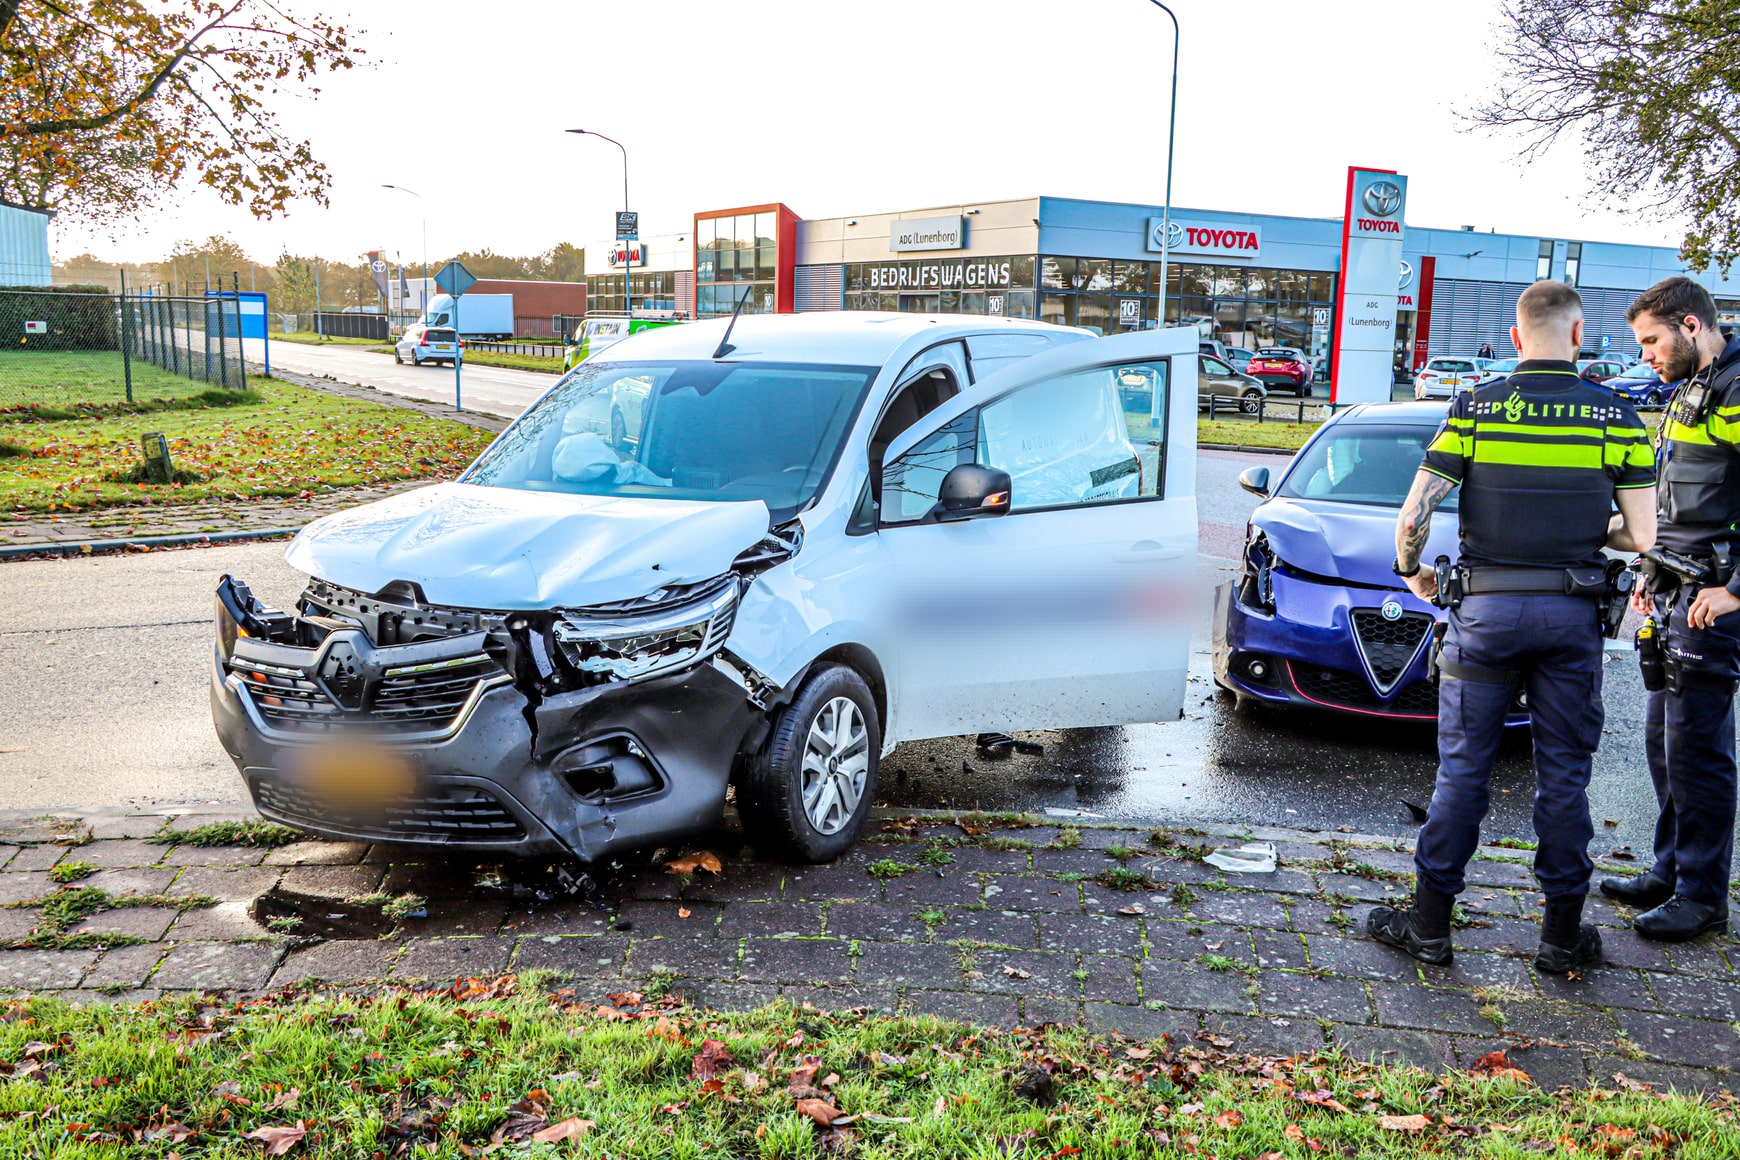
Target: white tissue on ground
[1254,858]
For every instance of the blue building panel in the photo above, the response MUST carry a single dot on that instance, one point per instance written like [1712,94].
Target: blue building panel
[24,247]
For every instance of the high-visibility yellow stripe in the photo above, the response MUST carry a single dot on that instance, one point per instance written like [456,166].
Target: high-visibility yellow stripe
[1439,474]
[1450,442]
[1585,455]
[1594,434]
[1639,455]
[1678,432]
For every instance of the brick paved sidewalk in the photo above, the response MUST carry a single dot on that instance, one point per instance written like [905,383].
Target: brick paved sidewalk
[216,517]
[993,924]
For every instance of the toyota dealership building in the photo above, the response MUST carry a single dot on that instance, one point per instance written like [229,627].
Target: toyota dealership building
[1246,279]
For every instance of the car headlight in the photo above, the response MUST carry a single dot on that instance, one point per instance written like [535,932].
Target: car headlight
[227,629]
[636,647]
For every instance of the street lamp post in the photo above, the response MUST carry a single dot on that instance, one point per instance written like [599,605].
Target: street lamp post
[1171,134]
[627,267]
[423,293]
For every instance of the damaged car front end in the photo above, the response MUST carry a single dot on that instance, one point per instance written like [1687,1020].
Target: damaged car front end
[571,731]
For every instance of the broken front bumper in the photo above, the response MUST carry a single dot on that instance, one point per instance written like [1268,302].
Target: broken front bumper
[591,771]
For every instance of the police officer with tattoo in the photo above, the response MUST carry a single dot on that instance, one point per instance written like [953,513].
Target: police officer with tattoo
[1693,601]
[1541,458]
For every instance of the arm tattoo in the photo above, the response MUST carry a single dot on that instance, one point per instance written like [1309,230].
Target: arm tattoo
[1415,522]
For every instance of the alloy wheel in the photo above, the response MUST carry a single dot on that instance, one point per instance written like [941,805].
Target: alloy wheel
[835,763]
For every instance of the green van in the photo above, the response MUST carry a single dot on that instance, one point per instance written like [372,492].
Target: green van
[595,334]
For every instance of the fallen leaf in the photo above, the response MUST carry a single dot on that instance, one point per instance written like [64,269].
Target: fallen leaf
[1617,1134]
[1015,972]
[1132,910]
[570,1129]
[1610,822]
[1344,829]
[285,1099]
[1293,1132]
[1323,1099]
[1622,855]
[1495,1065]
[752,1082]
[804,1074]
[278,1140]
[1270,1156]
[1231,1118]
[705,860]
[712,1061]
[682,912]
[1414,1123]
[822,1113]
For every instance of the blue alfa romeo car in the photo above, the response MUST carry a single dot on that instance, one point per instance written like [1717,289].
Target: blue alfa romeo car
[1317,618]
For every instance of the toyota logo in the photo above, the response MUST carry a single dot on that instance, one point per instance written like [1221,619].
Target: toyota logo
[1391,610]
[1407,276]
[1383,198]
[1173,236]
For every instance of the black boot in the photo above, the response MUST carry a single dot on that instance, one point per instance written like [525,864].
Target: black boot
[1680,919]
[1423,930]
[1644,892]
[1565,944]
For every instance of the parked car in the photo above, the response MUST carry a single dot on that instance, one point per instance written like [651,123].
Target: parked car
[1493,369]
[1317,618]
[1443,377]
[1641,386]
[1240,358]
[1282,366]
[835,532]
[1599,370]
[597,334]
[1216,378]
[429,344]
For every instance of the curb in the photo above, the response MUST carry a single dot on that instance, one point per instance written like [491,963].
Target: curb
[1242,449]
[92,547]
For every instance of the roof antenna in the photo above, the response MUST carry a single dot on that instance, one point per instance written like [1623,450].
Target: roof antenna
[725,346]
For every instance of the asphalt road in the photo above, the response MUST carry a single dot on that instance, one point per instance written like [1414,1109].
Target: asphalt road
[492,390]
[105,696]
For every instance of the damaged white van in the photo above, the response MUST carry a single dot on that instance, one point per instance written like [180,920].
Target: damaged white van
[754,555]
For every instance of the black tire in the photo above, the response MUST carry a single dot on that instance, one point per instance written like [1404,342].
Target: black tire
[1304,390]
[1250,402]
[397,357]
[415,361]
[770,791]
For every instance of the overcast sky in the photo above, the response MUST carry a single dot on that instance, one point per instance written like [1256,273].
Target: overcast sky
[840,108]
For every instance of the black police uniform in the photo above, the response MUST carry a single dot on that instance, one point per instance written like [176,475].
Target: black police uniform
[1539,457]
[1689,726]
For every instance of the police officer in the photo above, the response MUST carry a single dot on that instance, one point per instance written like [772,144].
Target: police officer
[1689,728]
[1540,457]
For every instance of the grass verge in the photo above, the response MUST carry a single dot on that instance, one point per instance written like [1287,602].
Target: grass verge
[62,380]
[296,442]
[309,338]
[253,832]
[448,1074]
[1290,436]
[517,362]
[49,413]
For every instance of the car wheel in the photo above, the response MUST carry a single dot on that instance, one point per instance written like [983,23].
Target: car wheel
[806,795]
[1251,401]
[1304,390]
[618,429]
[397,357]
[415,361]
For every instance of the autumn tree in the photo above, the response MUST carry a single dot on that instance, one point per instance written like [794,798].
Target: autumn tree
[107,104]
[1651,88]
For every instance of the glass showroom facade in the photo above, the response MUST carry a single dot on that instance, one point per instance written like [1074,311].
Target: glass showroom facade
[1248,306]
[744,251]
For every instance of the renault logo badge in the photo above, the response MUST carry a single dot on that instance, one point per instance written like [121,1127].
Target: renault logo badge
[1392,610]
[1383,198]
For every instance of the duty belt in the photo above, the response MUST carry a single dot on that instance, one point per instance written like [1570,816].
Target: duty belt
[1488,580]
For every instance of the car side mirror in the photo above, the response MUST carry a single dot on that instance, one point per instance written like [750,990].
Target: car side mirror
[971,491]
[1256,481]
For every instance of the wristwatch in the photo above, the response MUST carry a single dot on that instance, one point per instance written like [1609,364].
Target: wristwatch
[1396,567]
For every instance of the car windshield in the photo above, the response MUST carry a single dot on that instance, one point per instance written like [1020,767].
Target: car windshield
[1369,463]
[1639,371]
[682,430]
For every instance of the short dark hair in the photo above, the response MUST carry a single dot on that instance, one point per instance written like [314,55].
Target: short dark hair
[1549,304]
[1674,299]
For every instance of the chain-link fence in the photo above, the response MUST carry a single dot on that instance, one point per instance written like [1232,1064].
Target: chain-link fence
[66,346]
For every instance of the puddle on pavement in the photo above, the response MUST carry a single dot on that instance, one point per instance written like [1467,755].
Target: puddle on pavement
[313,916]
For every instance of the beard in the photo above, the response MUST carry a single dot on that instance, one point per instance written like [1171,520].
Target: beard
[1682,359]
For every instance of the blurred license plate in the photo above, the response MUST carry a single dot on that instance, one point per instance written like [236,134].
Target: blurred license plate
[356,774]
[443,346]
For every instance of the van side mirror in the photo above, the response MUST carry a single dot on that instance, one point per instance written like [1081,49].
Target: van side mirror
[1256,481]
[971,491]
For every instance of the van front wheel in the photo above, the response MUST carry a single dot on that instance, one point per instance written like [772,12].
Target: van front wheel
[806,795]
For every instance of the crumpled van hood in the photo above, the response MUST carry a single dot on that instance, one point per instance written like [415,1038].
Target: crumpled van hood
[1347,541]
[504,549]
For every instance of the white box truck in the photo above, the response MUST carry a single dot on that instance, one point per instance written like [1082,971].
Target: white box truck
[486,316]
